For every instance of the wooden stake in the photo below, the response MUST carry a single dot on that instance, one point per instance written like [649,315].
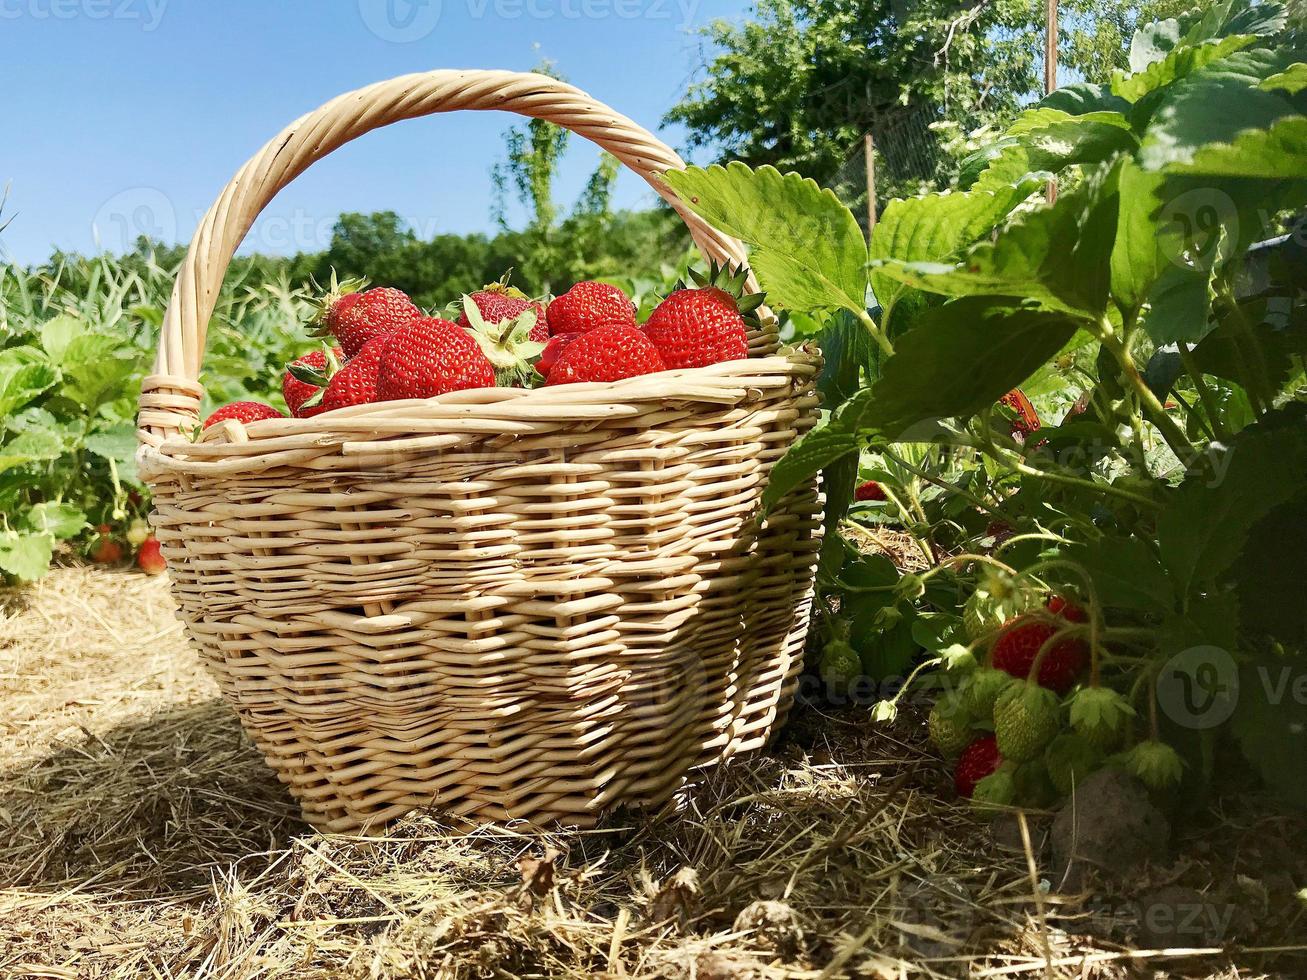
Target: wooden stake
[869,149]
[1050,71]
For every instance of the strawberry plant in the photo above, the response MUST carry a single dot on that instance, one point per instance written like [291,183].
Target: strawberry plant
[1149,472]
[76,336]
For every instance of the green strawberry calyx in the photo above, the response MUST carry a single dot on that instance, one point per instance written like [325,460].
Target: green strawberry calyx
[507,344]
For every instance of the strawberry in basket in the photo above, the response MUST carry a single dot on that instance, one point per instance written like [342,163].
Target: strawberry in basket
[499,302]
[430,357]
[707,323]
[354,317]
[588,305]
[304,379]
[510,329]
[605,354]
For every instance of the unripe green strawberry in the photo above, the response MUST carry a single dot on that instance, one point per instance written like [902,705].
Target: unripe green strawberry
[137,532]
[1032,784]
[996,789]
[1070,758]
[1101,716]
[979,692]
[1026,717]
[949,727]
[839,665]
[1157,765]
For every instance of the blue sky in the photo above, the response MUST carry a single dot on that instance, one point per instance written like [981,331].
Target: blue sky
[128,115]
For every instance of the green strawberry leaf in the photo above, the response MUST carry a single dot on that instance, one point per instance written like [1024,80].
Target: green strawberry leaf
[1126,573]
[1177,64]
[1277,152]
[805,245]
[58,332]
[1137,252]
[936,227]
[55,519]
[25,555]
[1205,528]
[1081,98]
[117,443]
[1058,256]
[1050,140]
[1180,302]
[32,446]
[24,377]
[1292,80]
[1214,105]
[96,369]
[1269,573]
[960,358]
[1270,722]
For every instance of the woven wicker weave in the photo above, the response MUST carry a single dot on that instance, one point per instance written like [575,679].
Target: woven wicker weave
[508,604]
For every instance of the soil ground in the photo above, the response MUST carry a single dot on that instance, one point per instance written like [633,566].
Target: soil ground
[141,836]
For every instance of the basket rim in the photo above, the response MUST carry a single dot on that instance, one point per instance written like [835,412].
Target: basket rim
[493,409]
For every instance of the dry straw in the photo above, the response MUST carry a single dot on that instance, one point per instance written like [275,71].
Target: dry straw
[510,604]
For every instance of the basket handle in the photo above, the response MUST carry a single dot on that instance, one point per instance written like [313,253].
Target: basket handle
[170,396]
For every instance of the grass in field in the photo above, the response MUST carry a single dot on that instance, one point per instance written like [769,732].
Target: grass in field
[143,837]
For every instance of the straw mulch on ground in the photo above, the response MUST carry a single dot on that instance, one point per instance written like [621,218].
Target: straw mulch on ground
[142,837]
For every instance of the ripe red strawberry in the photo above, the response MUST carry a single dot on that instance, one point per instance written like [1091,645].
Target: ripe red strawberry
[606,354]
[354,318]
[588,305]
[1023,637]
[356,382]
[1064,607]
[979,759]
[707,323]
[104,549]
[315,369]
[149,558]
[430,357]
[245,412]
[549,356]
[871,490]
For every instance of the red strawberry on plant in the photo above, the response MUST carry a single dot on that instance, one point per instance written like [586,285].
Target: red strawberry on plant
[243,412]
[705,324]
[305,378]
[104,549]
[1061,606]
[871,490]
[356,382]
[354,317]
[1023,637]
[588,305]
[430,357]
[606,354]
[979,759]
[150,557]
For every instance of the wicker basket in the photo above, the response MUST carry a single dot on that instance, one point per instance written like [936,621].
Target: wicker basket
[508,604]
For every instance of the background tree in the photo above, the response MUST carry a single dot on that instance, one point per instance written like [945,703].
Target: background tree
[800,84]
